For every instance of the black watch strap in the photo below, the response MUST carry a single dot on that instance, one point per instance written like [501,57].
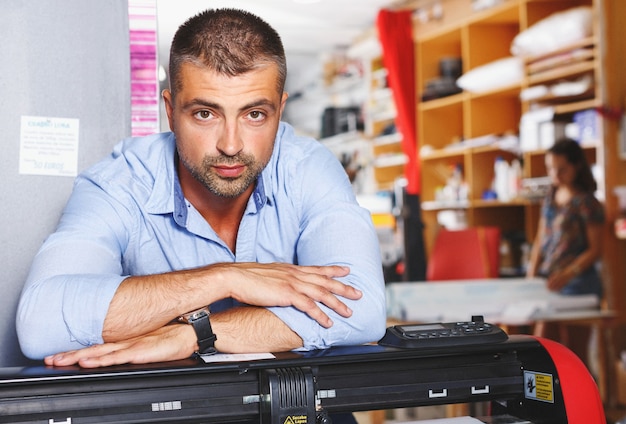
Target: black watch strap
[206,339]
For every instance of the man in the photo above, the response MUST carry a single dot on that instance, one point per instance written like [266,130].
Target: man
[230,210]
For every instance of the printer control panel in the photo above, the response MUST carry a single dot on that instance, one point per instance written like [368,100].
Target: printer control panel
[443,334]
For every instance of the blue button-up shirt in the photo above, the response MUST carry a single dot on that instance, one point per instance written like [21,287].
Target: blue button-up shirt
[127,216]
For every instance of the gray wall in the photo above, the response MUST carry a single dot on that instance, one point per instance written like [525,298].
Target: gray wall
[62,59]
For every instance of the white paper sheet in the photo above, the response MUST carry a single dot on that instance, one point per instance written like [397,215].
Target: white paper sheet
[236,357]
[48,146]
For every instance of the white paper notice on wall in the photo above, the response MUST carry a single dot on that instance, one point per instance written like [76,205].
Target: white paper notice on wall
[48,146]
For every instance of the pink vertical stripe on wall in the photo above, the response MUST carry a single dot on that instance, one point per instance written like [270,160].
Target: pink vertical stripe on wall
[144,67]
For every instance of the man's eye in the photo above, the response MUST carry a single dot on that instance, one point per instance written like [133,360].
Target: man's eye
[204,114]
[256,115]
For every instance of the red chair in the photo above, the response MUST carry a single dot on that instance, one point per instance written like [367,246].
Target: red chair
[465,254]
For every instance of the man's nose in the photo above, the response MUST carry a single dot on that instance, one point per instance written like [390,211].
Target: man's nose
[230,143]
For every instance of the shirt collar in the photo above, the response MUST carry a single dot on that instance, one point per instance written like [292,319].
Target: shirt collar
[263,193]
[163,199]
[167,195]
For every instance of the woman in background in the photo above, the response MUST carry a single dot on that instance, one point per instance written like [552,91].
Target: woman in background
[568,243]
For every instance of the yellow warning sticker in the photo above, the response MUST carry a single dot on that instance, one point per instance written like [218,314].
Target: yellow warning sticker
[295,419]
[538,386]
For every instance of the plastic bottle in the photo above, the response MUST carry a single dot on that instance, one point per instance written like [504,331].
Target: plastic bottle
[501,179]
[515,179]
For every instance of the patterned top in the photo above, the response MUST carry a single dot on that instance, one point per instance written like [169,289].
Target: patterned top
[565,234]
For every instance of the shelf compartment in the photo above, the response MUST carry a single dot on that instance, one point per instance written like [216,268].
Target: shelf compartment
[436,171]
[494,114]
[488,42]
[387,175]
[481,172]
[429,54]
[442,126]
[537,10]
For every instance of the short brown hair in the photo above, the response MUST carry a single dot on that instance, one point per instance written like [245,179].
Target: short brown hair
[228,41]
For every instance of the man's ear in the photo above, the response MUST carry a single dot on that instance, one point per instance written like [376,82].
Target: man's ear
[169,107]
[283,102]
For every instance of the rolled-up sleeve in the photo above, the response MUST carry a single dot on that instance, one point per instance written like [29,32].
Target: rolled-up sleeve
[335,230]
[73,278]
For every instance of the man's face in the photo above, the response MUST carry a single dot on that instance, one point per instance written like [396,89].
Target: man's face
[225,126]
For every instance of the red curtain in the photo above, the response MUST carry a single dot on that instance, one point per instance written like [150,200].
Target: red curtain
[396,37]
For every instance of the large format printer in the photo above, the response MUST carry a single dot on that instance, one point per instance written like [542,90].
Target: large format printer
[520,380]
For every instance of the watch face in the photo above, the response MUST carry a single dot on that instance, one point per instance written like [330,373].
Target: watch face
[197,314]
[199,320]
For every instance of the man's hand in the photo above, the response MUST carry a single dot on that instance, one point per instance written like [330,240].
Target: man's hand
[172,342]
[280,284]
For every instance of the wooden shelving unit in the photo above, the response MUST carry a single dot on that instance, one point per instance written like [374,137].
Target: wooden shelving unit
[380,114]
[481,37]
[477,38]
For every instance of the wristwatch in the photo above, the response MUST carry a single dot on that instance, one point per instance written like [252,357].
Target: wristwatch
[199,320]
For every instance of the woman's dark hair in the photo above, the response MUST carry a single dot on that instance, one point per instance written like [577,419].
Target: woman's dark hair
[228,41]
[575,155]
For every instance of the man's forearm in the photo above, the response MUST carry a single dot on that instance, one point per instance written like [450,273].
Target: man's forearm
[240,330]
[252,329]
[144,303]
